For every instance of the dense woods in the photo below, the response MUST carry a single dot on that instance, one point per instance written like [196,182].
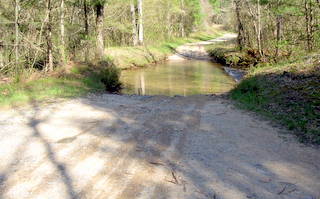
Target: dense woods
[279,42]
[278,45]
[45,34]
[278,27]
[160,99]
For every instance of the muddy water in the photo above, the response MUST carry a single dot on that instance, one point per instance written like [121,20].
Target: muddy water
[177,78]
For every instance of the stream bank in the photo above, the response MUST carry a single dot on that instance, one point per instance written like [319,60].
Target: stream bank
[190,71]
[287,91]
[127,58]
[199,51]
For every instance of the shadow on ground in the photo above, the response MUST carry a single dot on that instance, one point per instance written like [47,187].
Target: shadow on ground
[112,146]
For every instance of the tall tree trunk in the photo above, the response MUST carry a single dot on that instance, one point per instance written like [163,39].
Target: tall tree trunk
[182,30]
[140,19]
[49,64]
[308,18]
[1,56]
[62,32]
[241,35]
[279,27]
[99,25]
[134,23]
[168,18]
[86,29]
[259,29]
[86,22]
[17,9]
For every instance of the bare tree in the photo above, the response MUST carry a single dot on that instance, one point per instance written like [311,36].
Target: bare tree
[99,8]
[62,32]
[86,22]
[134,23]
[182,20]
[241,34]
[86,29]
[1,56]
[259,28]
[278,27]
[17,10]
[49,62]
[140,19]
[256,18]
[309,23]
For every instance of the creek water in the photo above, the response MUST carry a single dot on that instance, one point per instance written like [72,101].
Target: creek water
[184,77]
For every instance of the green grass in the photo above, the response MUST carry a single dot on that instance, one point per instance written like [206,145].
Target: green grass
[84,78]
[47,88]
[286,93]
[140,56]
[227,53]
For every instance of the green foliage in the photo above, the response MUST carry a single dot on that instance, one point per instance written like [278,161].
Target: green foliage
[286,93]
[110,77]
[195,11]
[97,2]
[248,92]
[47,88]
[140,56]
[227,54]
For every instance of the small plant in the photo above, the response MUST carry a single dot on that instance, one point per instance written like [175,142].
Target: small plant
[110,77]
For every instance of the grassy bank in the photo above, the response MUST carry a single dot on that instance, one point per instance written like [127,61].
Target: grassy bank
[228,54]
[46,88]
[80,79]
[287,92]
[140,56]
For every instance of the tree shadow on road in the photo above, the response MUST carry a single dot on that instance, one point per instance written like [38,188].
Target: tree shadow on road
[149,149]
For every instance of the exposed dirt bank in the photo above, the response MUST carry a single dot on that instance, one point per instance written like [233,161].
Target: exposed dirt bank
[111,146]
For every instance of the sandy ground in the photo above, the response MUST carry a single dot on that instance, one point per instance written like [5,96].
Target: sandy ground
[197,50]
[109,146]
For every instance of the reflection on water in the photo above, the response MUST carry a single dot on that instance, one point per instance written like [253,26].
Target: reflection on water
[177,78]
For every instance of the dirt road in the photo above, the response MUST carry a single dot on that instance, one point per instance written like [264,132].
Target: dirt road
[111,146]
[197,50]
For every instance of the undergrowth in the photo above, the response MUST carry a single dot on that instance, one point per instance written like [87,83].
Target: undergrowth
[140,56]
[80,80]
[286,94]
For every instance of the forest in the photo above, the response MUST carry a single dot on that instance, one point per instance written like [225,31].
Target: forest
[85,44]
[46,34]
[162,99]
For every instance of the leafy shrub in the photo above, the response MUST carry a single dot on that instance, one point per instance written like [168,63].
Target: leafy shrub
[110,77]
[233,60]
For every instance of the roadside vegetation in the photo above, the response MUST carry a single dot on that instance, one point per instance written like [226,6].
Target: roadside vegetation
[277,46]
[141,56]
[68,48]
[288,93]
[79,80]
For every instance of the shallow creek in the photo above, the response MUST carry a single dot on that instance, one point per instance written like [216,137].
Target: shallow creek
[183,77]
